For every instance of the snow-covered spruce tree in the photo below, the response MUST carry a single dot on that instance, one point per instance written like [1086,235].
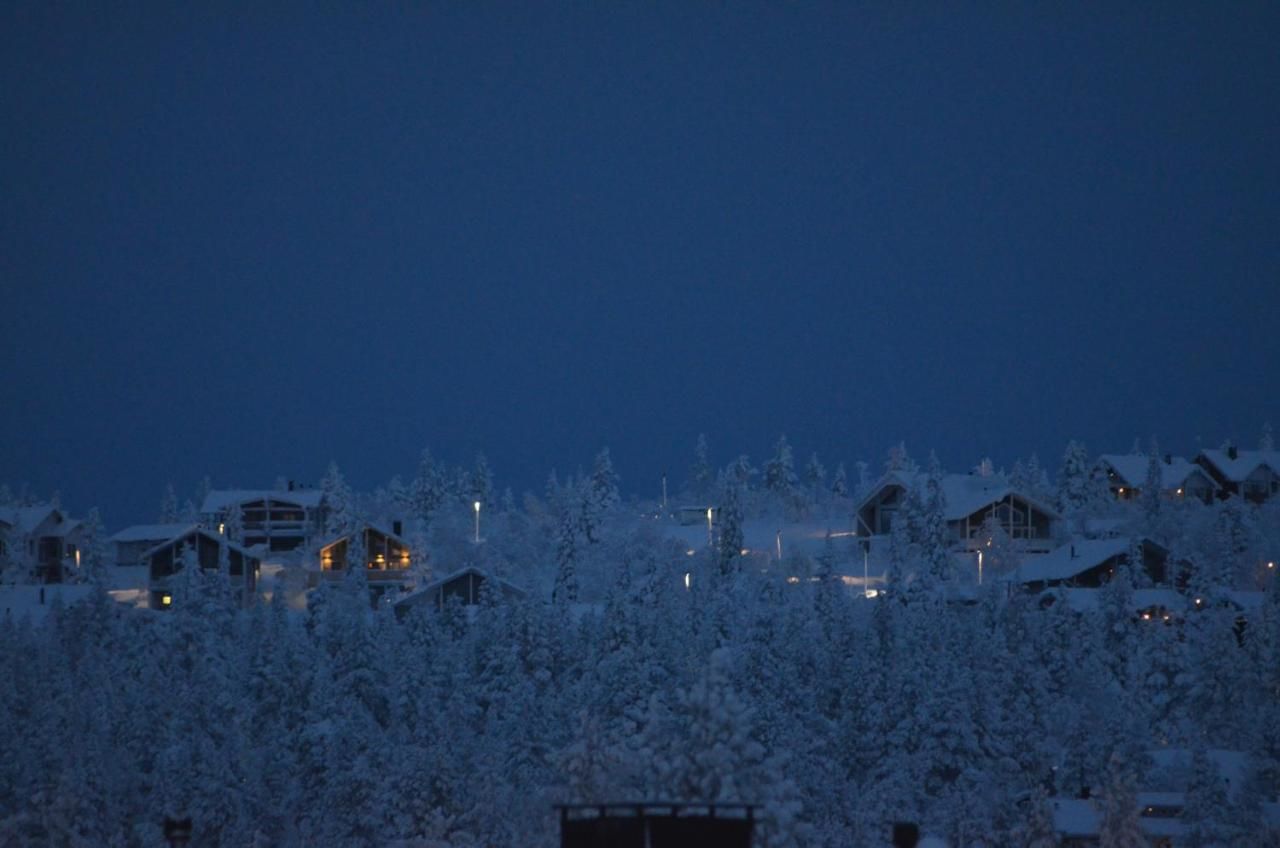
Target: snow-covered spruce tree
[701,475]
[730,541]
[1205,812]
[1077,487]
[780,475]
[599,496]
[234,525]
[935,537]
[702,750]
[840,483]
[1120,826]
[340,506]
[427,491]
[1152,486]
[169,506]
[566,586]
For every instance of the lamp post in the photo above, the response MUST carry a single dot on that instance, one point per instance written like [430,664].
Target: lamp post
[979,568]
[477,507]
[709,539]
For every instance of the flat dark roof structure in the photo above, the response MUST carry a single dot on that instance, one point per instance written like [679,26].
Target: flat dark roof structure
[656,825]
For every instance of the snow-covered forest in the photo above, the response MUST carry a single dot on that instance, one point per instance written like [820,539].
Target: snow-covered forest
[637,667]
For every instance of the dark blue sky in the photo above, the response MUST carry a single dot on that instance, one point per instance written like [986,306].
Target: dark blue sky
[241,244]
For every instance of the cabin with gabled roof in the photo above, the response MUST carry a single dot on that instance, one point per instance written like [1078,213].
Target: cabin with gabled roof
[42,540]
[971,500]
[465,586]
[1251,474]
[1126,476]
[166,559]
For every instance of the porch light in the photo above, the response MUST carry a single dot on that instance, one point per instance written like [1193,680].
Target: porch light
[166,600]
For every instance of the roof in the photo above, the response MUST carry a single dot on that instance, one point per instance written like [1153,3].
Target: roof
[27,518]
[196,529]
[435,585]
[1088,600]
[152,532]
[1071,559]
[1246,462]
[1131,468]
[965,494]
[220,499]
[371,526]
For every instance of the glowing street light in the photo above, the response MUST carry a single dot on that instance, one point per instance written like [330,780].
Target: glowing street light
[477,506]
[979,568]
[709,512]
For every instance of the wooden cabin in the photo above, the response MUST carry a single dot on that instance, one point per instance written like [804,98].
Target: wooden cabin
[166,559]
[40,540]
[1126,476]
[387,556]
[465,585]
[971,500]
[277,520]
[1251,474]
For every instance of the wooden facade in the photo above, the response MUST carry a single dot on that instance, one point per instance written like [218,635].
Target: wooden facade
[166,560]
[387,556]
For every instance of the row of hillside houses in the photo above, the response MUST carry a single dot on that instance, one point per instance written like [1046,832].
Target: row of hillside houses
[1216,473]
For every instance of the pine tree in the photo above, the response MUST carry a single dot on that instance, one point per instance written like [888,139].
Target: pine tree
[169,506]
[840,483]
[701,476]
[1120,826]
[729,550]
[1077,489]
[339,503]
[779,472]
[566,586]
[1206,809]
[426,492]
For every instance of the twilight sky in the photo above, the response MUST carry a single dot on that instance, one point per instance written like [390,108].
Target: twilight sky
[243,243]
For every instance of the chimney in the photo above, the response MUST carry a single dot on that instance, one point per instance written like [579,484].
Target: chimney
[1231,452]
[1073,551]
[395,527]
[1168,459]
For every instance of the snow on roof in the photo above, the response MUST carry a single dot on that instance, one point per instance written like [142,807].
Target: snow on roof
[372,525]
[197,529]
[152,532]
[220,499]
[1069,560]
[1233,766]
[1246,462]
[1131,468]
[1088,600]
[965,494]
[26,518]
[1075,817]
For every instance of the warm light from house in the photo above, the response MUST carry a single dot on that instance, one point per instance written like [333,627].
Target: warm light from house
[1121,490]
[1179,491]
[687,575]
[793,579]
[1271,565]
[166,600]
[1146,616]
[871,593]
[1199,601]
[222,529]
[77,558]
[380,559]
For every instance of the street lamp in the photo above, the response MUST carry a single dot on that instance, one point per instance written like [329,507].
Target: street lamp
[477,506]
[709,510]
[979,568]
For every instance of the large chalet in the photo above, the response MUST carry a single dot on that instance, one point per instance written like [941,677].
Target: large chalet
[278,520]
